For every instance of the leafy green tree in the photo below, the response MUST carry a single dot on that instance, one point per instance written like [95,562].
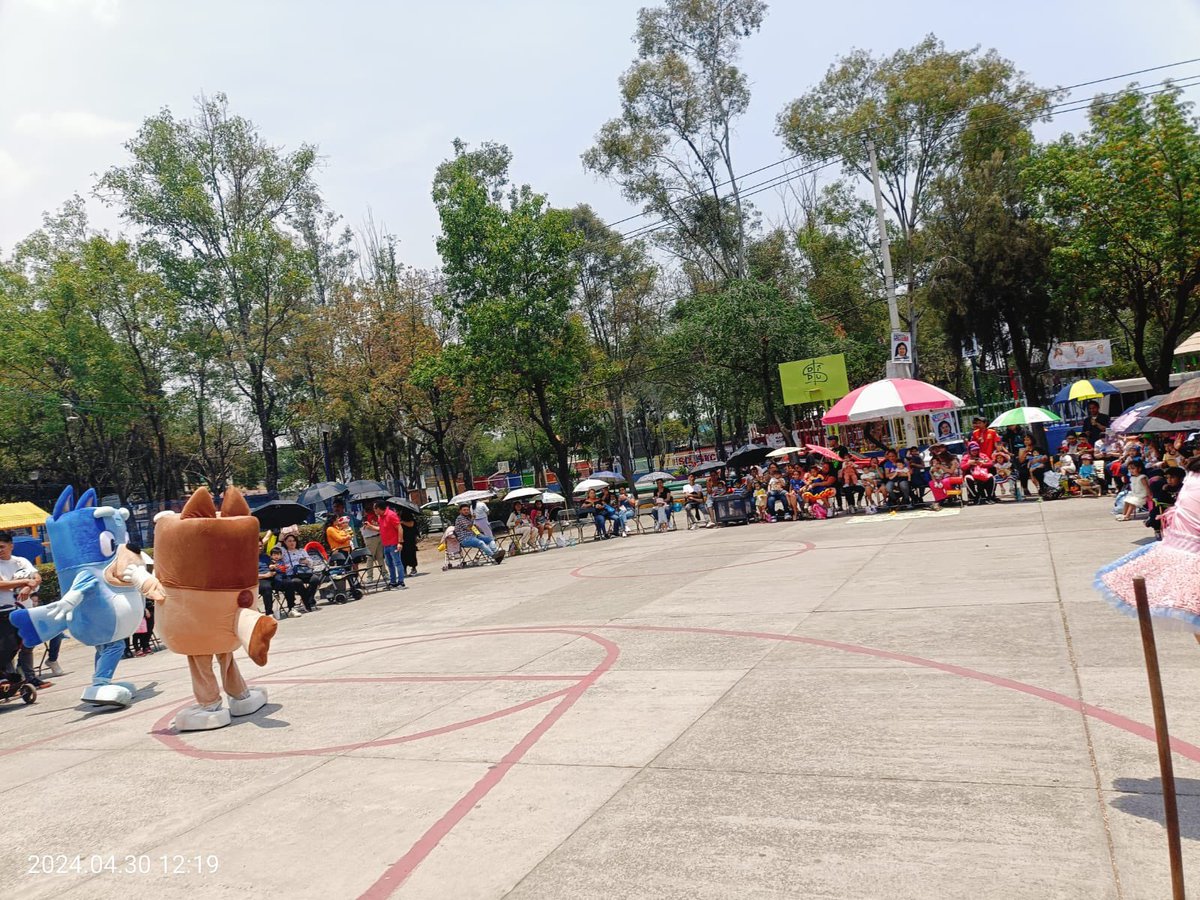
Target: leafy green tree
[992,279]
[1124,202]
[839,273]
[618,300]
[510,276]
[914,105]
[219,203]
[671,149]
[68,381]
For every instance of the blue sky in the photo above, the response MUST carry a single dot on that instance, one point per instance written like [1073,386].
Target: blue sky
[382,88]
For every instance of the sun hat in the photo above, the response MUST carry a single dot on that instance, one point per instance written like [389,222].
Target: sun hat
[1171,566]
[974,445]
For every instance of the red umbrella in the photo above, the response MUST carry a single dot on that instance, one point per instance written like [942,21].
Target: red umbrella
[1181,404]
[822,451]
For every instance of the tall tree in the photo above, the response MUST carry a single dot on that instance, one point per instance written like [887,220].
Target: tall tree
[220,203]
[510,277]
[1123,197]
[914,105]
[616,296]
[671,149]
[992,280]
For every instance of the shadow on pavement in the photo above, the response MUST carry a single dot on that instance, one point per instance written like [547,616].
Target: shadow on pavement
[1142,797]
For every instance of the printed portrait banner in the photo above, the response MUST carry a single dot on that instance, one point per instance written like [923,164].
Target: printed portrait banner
[814,380]
[945,425]
[901,346]
[1081,355]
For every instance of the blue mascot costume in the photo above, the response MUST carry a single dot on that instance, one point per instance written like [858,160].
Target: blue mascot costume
[99,609]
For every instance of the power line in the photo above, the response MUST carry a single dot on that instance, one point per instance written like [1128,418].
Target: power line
[1062,108]
[1066,88]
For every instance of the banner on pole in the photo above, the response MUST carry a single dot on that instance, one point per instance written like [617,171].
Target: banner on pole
[1081,355]
[814,380]
[945,425]
[901,347]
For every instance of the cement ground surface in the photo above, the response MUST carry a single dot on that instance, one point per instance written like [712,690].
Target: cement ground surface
[884,707]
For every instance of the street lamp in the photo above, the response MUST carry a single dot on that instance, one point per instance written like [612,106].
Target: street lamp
[35,476]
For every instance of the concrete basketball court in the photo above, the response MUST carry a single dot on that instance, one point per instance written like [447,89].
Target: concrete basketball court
[883,707]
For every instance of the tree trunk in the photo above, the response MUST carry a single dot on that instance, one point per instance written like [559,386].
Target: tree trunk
[617,403]
[270,454]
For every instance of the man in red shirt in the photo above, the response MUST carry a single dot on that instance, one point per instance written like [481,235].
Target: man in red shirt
[390,537]
[985,437]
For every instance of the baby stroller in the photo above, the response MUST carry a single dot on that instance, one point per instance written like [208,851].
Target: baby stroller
[336,578]
[458,556]
[12,681]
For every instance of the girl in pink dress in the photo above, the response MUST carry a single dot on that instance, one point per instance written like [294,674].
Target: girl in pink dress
[1171,566]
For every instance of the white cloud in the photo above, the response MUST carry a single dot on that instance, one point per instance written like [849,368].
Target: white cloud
[104,11]
[13,175]
[70,124]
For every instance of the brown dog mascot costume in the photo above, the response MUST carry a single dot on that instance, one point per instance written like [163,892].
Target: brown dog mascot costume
[206,572]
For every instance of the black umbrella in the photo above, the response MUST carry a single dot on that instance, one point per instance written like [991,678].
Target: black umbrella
[749,455]
[704,468]
[1155,425]
[369,495]
[281,513]
[366,486]
[319,493]
[401,503]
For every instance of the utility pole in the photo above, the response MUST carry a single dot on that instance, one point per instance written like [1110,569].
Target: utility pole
[894,369]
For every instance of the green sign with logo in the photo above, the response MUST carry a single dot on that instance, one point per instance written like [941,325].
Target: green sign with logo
[814,380]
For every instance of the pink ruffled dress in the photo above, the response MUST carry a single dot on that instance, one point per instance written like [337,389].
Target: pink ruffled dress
[1171,566]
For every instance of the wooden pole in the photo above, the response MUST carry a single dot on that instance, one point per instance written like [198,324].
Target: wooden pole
[1163,739]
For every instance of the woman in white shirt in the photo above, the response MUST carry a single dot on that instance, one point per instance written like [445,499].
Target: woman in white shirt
[299,569]
[519,524]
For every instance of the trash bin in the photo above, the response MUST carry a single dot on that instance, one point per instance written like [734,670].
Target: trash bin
[732,509]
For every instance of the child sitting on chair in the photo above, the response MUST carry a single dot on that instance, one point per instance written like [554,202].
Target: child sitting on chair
[1086,478]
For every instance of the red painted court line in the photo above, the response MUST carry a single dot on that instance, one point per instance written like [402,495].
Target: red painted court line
[175,741]
[398,872]
[386,679]
[176,705]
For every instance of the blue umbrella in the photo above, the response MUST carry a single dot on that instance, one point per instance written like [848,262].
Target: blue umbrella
[1084,389]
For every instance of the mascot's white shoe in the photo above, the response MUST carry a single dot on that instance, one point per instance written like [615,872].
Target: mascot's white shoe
[114,694]
[202,718]
[255,699]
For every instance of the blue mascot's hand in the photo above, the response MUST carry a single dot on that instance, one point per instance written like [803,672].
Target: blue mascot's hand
[64,610]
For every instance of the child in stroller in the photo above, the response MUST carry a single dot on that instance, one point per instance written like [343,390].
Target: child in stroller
[12,681]
[335,575]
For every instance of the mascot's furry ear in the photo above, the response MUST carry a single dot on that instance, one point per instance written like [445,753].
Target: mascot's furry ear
[199,506]
[65,502]
[88,499]
[234,504]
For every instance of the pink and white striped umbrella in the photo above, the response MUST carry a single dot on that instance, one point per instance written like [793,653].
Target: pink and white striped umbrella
[887,398]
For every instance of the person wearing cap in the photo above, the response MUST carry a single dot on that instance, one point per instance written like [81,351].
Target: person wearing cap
[979,474]
[469,535]
[985,437]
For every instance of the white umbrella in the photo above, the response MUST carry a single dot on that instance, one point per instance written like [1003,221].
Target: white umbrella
[887,398]
[590,484]
[472,496]
[551,497]
[655,476]
[522,493]
[785,451]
